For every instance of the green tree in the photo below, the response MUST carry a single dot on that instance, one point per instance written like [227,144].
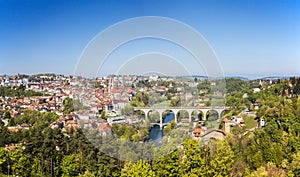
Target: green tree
[3,159]
[169,127]
[12,122]
[70,105]
[128,110]
[193,162]
[140,168]
[140,99]
[103,114]
[295,165]
[168,165]
[36,168]
[87,174]
[298,107]
[20,162]
[7,114]
[4,136]
[221,158]
[268,170]
[70,165]
[175,101]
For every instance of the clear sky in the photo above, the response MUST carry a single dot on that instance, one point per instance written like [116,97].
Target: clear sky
[250,37]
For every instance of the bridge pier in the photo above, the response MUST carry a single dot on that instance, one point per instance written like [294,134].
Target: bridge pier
[146,114]
[204,114]
[175,115]
[160,117]
[190,114]
[219,113]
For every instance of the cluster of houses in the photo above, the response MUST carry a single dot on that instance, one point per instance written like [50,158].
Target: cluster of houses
[71,121]
[41,104]
[54,88]
[57,89]
[201,132]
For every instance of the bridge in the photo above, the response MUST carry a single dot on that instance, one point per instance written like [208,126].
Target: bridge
[175,110]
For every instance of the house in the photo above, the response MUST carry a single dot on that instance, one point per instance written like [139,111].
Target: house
[25,126]
[213,134]
[117,120]
[237,119]
[262,122]
[10,147]
[198,132]
[72,124]
[13,128]
[161,89]
[256,104]
[206,137]
[245,95]
[104,129]
[255,90]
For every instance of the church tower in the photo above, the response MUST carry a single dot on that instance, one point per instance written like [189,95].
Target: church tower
[226,126]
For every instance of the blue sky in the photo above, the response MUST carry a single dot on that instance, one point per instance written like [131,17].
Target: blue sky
[250,37]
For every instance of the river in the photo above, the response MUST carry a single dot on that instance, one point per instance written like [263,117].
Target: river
[156,134]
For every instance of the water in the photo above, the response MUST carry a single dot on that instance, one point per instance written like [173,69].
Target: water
[156,134]
[169,117]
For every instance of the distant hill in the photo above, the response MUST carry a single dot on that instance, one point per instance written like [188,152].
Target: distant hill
[238,77]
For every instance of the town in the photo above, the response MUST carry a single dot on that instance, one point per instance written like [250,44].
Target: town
[99,103]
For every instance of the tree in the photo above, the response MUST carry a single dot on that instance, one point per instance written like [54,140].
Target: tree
[140,168]
[70,165]
[175,101]
[12,122]
[295,165]
[193,162]
[298,107]
[87,174]
[20,163]
[268,170]
[168,165]
[107,166]
[4,135]
[169,127]
[140,99]
[70,105]
[3,160]
[36,168]
[221,158]
[128,110]
[7,115]
[103,114]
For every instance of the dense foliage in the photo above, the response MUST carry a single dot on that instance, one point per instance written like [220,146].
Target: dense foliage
[70,105]
[18,92]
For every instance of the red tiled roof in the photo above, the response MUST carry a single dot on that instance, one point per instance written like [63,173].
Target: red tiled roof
[104,128]
[214,130]
[129,91]
[198,130]
[71,122]
[114,90]
[225,120]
